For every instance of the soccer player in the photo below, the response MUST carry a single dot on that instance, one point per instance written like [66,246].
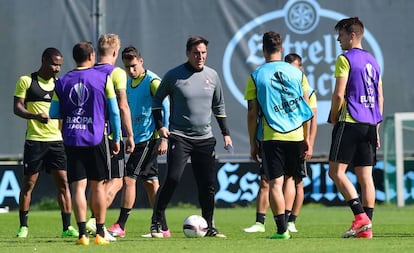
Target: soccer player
[142,163]
[108,48]
[83,98]
[195,94]
[43,148]
[356,113]
[295,200]
[278,116]
[292,199]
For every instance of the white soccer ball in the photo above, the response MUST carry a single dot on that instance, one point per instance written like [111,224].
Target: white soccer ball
[195,226]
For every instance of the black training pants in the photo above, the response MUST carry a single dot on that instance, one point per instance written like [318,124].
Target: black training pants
[202,155]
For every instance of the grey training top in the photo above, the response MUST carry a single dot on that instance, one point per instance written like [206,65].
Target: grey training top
[194,95]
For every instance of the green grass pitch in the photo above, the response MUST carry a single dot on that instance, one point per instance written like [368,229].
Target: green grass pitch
[320,229]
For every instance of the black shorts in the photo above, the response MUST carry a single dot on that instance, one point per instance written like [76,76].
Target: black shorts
[303,171]
[47,155]
[118,163]
[142,163]
[87,162]
[354,143]
[282,158]
[261,169]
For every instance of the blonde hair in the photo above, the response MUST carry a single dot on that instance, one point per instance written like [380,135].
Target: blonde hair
[107,43]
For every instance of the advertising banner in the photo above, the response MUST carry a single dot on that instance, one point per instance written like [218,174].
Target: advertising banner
[237,185]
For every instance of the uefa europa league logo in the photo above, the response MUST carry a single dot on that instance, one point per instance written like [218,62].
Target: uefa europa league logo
[78,95]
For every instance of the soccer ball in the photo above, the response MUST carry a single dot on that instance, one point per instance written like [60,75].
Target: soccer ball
[195,226]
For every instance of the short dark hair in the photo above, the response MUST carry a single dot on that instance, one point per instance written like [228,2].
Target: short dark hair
[350,25]
[49,52]
[289,58]
[82,50]
[194,41]
[272,42]
[130,52]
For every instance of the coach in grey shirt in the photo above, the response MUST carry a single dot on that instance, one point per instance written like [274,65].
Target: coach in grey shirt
[195,93]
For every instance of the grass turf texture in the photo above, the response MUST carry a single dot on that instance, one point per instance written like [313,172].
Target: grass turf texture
[320,229]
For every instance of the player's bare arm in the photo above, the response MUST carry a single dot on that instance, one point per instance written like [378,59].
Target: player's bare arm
[252,118]
[20,110]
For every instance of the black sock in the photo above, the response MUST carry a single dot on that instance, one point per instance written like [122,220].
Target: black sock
[280,223]
[369,211]
[92,215]
[355,206]
[100,229]
[82,228]
[261,217]
[23,216]
[292,218]
[123,216]
[287,214]
[65,220]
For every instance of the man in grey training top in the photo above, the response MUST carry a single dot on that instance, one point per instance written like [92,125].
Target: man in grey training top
[195,93]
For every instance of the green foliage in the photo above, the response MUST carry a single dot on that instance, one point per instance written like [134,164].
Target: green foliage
[320,229]
[46,204]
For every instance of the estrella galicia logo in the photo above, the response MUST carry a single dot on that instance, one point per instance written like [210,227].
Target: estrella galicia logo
[302,16]
[78,95]
[307,30]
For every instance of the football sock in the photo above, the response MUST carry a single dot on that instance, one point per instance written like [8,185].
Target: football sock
[369,211]
[260,217]
[287,214]
[356,206]
[65,220]
[82,229]
[123,217]
[292,218]
[100,229]
[280,223]
[23,216]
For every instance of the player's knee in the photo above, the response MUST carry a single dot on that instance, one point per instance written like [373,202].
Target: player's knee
[332,175]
